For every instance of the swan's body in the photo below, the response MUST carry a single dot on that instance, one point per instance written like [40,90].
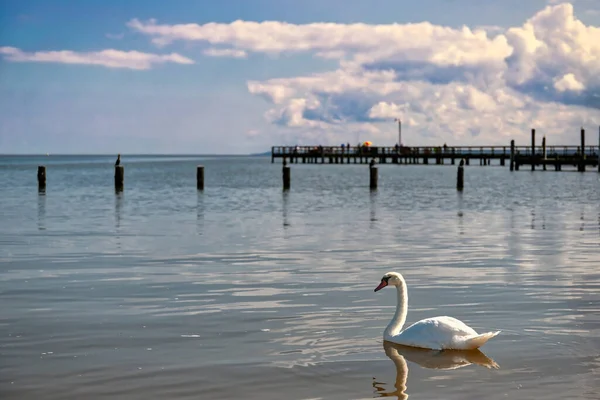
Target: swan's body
[436,333]
[440,333]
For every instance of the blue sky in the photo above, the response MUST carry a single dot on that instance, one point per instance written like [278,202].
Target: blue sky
[183,77]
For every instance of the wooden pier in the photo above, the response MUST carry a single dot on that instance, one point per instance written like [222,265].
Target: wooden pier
[581,157]
[534,155]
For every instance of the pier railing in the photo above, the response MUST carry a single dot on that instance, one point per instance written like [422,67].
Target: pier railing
[448,151]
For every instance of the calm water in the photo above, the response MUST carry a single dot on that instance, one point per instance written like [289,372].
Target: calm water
[247,292]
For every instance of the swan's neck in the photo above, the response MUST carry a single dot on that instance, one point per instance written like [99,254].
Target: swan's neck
[396,324]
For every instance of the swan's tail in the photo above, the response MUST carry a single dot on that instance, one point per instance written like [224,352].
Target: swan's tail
[476,342]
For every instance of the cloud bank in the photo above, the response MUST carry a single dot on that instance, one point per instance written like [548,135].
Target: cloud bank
[454,84]
[108,58]
[233,53]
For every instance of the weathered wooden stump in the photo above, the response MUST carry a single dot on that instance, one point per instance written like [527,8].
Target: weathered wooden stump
[460,176]
[373,175]
[533,149]
[119,178]
[200,177]
[581,167]
[286,177]
[41,177]
[512,155]
[544,153]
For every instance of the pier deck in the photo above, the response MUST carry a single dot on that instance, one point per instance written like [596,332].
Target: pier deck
[555,155]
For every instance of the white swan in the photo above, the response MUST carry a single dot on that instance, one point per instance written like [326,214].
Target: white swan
[437,333]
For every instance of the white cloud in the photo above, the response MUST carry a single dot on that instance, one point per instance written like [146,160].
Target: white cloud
[369,43]
[232,53]
[552,44]
[484,84]
[108,58]
[568,82]
[292,114]
[384,110]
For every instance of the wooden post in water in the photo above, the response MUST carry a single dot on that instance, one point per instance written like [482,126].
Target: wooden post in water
[582,155]
[533,149]
[512,155]
[41,178]
[119,177]
[544,152]
[200,177]
[286,176]
[460,176]
[373,176]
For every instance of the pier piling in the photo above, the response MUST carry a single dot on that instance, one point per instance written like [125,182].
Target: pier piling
[460,176]
[200,177]
[512,155]
[373,175]
[119,178]
[533,149]
[41,177]
[581,166]
[544,153]
[286,172]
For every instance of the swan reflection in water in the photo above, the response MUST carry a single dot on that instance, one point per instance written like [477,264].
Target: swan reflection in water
[431,359]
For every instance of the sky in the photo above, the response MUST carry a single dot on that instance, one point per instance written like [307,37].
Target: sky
[240,76]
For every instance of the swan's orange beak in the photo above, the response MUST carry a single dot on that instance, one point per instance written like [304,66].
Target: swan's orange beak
[381,285]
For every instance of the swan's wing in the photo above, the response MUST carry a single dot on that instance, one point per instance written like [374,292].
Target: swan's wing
[434,333]
[454,325]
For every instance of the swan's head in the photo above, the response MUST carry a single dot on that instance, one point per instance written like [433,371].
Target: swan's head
[391,278]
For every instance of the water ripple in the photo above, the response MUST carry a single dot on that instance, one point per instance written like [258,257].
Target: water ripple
[245,291]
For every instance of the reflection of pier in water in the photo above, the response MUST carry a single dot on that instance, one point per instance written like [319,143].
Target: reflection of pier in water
[200,213]
[373,209]
[460,214]
[430,359]
[118,210]
[284,209]
[42,211]
[118,206]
